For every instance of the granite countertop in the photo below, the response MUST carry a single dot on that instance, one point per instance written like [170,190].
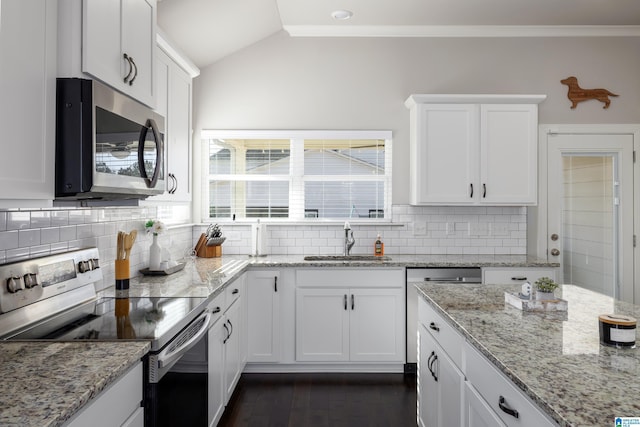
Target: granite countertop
[408,261]
[555,358]
[46,383]
[207,277]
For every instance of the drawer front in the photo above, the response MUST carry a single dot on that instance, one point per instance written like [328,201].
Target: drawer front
[495,388]
[516,275]
[233,292]
[351,277]
[449,339]
[217,306]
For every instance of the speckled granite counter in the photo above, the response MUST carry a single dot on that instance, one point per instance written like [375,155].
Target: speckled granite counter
[555,358]
[44,384]
[420,261]
[206,277]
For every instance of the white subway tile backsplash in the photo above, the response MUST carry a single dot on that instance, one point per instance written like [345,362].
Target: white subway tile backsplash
[28,238]
[17,254]
[8,240]
[49,235]
[18,220]
[40,219]
[59,218]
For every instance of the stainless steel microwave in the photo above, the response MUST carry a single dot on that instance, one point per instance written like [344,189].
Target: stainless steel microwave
[108,146]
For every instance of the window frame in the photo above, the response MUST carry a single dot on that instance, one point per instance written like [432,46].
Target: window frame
[386,135]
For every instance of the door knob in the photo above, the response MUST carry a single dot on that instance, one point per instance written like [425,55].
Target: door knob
[555,252]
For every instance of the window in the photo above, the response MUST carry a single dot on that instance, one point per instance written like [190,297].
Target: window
[298,175]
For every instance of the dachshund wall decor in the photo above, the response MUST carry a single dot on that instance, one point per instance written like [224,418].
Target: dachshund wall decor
[577,94]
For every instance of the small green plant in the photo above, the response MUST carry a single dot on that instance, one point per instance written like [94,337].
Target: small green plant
[545,284]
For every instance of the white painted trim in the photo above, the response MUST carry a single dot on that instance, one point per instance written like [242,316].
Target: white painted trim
[316,367]
[176,55]
[577,129]
[416,99]
[463,30]
[295,134]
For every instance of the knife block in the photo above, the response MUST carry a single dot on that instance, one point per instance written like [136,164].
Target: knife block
[204,251]
[210,251]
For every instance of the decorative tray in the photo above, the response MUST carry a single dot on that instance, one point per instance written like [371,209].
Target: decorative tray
[165,272]
[515,300]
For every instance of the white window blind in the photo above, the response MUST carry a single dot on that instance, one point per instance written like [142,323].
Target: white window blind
[309,174]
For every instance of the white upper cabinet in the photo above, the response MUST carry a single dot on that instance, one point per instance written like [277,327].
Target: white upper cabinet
[119,42]
[27,105]
[174,103]
[112,41]
[473,149]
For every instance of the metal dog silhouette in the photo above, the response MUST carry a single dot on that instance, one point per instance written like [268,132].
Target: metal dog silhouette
[577,94]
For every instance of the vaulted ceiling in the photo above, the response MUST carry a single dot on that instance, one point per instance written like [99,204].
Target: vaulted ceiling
[208,30]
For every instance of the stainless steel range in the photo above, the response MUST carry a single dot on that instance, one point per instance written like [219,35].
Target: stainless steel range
[54,298]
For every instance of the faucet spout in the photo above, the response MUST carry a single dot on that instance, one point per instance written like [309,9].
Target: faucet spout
[349,241]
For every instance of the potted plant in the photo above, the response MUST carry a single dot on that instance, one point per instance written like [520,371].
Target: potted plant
[544,288]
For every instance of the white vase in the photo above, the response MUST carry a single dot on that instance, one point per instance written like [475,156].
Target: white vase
[155,254]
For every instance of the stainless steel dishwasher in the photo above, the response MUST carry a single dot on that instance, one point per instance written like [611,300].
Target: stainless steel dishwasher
[435,274]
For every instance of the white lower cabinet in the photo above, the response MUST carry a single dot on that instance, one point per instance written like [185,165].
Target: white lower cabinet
[363,322]
[225,347]
[264,290]
[440,381]
[356,325]
[498,276]
[458,386]
[117,405]
[510,404]
[478,412]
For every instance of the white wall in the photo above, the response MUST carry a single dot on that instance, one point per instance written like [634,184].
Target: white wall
[362,83]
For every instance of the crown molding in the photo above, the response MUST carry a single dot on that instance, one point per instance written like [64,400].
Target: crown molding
[463,30]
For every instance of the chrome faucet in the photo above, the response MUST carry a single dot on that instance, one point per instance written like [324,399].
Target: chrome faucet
[349,241]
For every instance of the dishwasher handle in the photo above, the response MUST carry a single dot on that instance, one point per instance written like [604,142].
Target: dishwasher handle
[444,279]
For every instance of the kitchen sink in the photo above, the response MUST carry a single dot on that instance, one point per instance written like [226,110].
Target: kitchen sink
[346,258]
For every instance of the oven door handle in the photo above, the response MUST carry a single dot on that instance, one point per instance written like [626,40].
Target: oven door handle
[169,355]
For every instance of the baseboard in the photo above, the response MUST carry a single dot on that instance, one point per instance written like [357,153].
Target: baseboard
[264,368]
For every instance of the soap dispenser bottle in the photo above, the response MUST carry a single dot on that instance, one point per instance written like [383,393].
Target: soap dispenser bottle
[378,247]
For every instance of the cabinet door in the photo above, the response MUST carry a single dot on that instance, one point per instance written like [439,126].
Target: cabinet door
[232,349]
[509,153]
[112,29]
[427,386]
[263,316]
[444,154]
[322,325]
[173,101]
[101,53]
[179,140]
[139,42]
[215,382]
[478,413]
[440,388]
[27,108]
[376,325]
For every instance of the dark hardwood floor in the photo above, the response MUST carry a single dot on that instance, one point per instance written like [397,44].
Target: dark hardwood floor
[310,400]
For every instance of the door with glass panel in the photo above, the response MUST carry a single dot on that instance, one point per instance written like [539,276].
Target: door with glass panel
[590,211]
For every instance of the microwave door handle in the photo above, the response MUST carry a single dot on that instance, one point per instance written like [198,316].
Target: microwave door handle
[151,183]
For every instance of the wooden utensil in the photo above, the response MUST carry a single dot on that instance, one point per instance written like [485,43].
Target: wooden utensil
[129,240]
[120,246]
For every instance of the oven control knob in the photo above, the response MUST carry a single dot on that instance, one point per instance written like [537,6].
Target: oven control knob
[83,266]
[95,263]
[30,280]
[14,284]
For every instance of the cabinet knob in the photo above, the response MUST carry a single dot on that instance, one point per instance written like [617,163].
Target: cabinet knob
[555,252]
[433,326]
